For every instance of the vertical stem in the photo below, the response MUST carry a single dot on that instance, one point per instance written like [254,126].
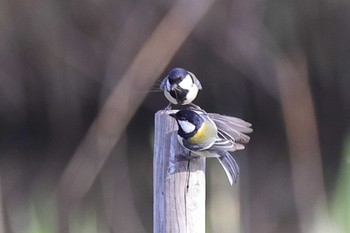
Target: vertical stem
[302,136]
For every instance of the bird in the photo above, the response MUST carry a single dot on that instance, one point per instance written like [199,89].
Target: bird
[213,135]
[180,87]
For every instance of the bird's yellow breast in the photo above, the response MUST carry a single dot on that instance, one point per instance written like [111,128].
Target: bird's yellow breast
[206,134]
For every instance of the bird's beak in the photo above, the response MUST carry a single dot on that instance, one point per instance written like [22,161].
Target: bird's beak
[173,87]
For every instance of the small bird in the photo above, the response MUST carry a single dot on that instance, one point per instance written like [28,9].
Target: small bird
[213,135]
[180,87]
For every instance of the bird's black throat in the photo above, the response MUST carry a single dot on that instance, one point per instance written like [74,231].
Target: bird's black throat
[179,94]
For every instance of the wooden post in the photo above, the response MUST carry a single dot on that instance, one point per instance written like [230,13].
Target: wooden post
[179,185]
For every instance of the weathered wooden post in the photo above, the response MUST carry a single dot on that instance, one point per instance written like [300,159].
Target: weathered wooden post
[179,186]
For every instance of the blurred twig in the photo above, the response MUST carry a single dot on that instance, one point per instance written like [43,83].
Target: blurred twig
[4,218]
[107,128]
[119,207]
[302,136]
[2,211]
[341,202]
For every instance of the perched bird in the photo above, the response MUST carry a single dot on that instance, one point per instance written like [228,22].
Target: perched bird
[180,87]
[213,135]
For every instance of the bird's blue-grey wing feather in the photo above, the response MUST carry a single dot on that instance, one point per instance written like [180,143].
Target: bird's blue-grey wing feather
[226,144]
[230,166]
[232,127]
[163,83]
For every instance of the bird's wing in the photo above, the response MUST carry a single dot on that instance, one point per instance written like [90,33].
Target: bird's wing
[163,83]
[223,144]
[232,128]
[230,166]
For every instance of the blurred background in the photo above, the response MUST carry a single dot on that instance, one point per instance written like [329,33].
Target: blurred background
[78,99]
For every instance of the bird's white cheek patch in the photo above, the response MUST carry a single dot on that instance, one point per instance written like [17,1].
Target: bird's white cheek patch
[186,83]
[187,127]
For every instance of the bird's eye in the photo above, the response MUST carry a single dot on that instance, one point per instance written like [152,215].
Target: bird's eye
[175,80]
[171,81]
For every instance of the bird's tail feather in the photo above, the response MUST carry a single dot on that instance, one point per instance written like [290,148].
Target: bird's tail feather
[230,166]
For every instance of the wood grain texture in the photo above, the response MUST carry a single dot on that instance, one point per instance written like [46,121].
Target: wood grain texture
[179,185]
